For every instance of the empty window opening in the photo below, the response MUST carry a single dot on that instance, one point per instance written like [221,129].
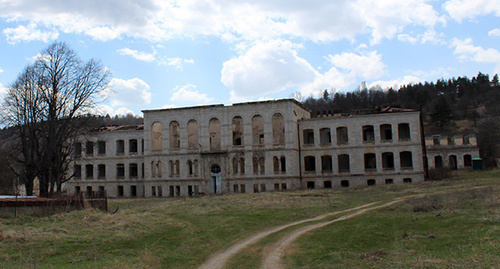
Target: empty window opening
[451,141]
[171,191]
[438,161]
[311,185]
[308,136]
[101,147]
[142,170]
[174,135]
[344,183]
[404,131]
[276,165]
[77,171]
[78,190]
[120,170]
[326,163]
[278,122]
[255,165]
[190,167]
[258,130]
[153,191]
[406,159]
[389,181]
[160,191]
[255,188]
[388,160]
[101,171]
[436,140]
[237,125]
[158,168]
[242,166]
[407,180]
[262,165]
[465,140]
[368,134]
[133,170]
[89,148]
[467,160]
[89,171]
[283,164]
[453,162]
[120,191]
[177,190]
[190,190]
[120,146]
[283,186]
[370,161]
[142,145]
[242,188]
[156,136]
[132,146]
[325,136]
[235,165]
[78,149]
[327,184]
[262,187]
[133,191]
[177,168]
[342,137]
[276,186]
[214,130]
[386,132]
[236,188]
[371,182]
[310,163]
[89,191]
[192,134]
[344,163]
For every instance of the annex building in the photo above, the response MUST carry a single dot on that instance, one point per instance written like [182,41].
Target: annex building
[248,147]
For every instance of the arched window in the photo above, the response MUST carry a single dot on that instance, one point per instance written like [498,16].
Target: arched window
[262,165]
[156,136]
[192,134]
[242,165]
[177,164]
[278,122]
[195,167]
[235,165]
[237,131]
[171,165]
[190,167]
[258,130]
[276,165]
[214,129]
[283,164]
[255,163]
[153,170]
[158,168]
[175,141]
[438,161]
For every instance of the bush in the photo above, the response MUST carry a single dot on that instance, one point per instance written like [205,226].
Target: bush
[440,173]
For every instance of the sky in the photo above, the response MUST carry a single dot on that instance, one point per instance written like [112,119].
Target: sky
[175,53]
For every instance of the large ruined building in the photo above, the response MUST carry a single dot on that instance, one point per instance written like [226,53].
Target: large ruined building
[248,147]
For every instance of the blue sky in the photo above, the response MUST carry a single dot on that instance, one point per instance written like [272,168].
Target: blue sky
[192,52]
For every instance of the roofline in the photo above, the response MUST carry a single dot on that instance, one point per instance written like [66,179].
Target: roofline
[222,105]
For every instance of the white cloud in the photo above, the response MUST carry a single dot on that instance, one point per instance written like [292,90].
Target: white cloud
[467,51]
[468,9]
[397,83]
[274,66]
[494,32]
[1,70]
[128,92]
[123,111]
[169,106]
[176,62]
[29,33]
[188,93]
[407,38]
[138,55]
[231,20]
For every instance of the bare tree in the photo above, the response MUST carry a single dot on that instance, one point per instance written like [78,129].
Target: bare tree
[47,104]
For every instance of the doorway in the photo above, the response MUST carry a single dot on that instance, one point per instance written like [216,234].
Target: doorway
[215,179]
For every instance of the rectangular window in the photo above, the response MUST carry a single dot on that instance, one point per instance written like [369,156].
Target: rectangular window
[326,163]
[385,132]
[120,146]
[101,147]
[78,149]
[308,136]
[101,173]
[120,191]
[133,170]
[370,161]
[388,160]
[89,148]
[404,131]
[89,171]
[132,146]
[368,134]
[406,159]
[344,163]
[120,170]
[325,136]
[342,137]
[77,171]
[310,163]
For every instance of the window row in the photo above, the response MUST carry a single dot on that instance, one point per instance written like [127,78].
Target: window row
[368,134]
[214,129]
[370,163]
[90,146]
[327,184]
[133,171]
[452,161]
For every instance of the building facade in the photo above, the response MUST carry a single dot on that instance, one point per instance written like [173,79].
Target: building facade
[246,148]
[454,151]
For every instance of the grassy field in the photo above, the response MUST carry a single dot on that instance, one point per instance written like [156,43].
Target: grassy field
[454,225]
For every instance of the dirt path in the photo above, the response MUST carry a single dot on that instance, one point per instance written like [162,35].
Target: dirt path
[219,260]
[273,259]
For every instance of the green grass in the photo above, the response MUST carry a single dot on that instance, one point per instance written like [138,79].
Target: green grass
[183,233]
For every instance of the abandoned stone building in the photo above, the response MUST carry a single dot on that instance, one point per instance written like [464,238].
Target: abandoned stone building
[454,151]
[248,147]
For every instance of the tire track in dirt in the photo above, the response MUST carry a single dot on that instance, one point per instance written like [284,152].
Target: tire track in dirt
[273,259]
[220,259]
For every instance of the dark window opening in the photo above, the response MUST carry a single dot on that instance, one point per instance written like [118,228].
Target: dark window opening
[406,159]
[342,137]
[467,160]
[344,183]
[89,171]
[327,184]
[78,149]
[310,163]
[386,132]
[388,160]
[133,191]
[120,170]
[120,191]
[77,171]
[89,148]
[370,161]
[101,171]
[132,146]
[406,180]
[404,131]
[389,181]
[308,136]
[325,136]
[368,134]
[310,185]
[344,163]
[133,170]
[438,161]
[370,182]
[326,163]
[120,146]
[101,147]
